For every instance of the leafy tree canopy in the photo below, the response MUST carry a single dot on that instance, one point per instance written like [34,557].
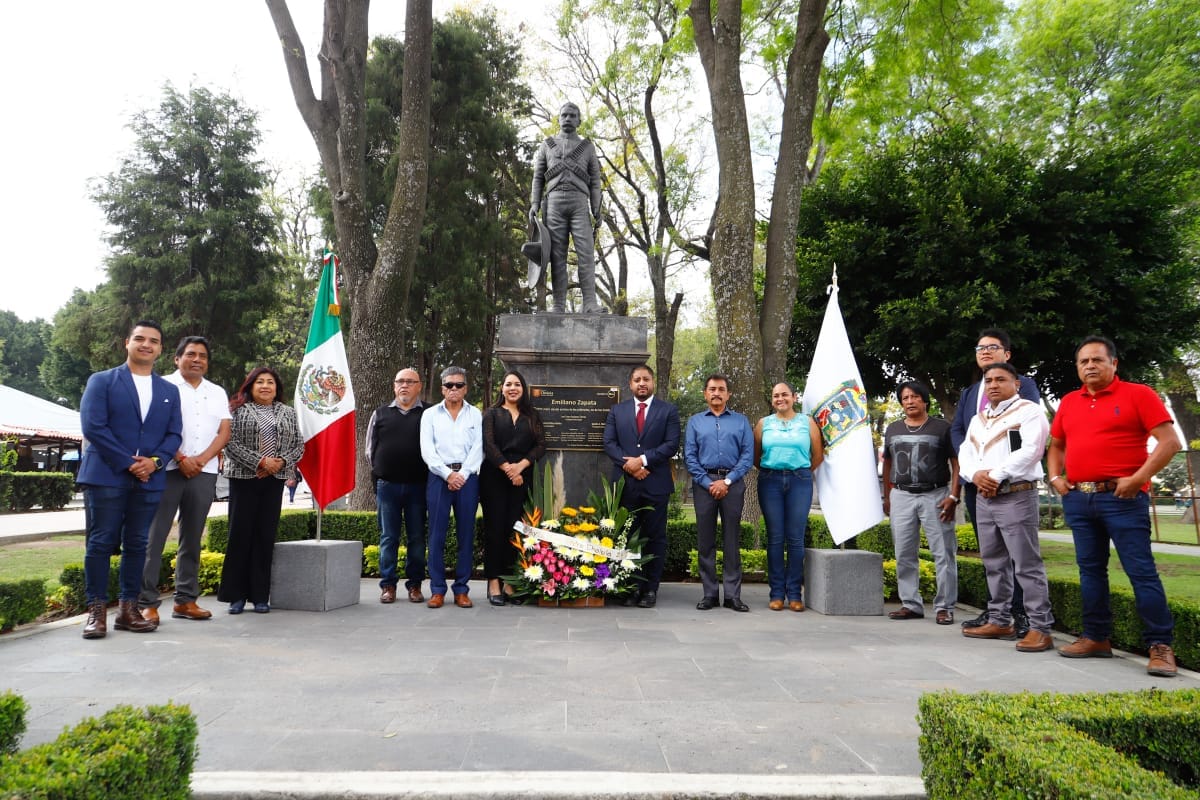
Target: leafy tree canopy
[22,350]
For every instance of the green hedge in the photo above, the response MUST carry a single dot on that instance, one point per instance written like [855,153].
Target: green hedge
[1119,745]
[927,580]
[50,490]
[12,722]
[72,578]
[21,602]
[1065,599]
[127,754]
[754,565]
[5,487]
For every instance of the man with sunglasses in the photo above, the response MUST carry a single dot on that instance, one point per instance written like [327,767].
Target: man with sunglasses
[401,477]
[452,448]
[992,347]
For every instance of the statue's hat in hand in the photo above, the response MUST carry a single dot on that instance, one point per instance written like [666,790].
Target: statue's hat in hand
[537,249]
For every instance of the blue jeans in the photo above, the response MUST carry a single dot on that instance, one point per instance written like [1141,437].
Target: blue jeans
[1094,520]
[785,498]
[464,502]
[116,516]
[401,504]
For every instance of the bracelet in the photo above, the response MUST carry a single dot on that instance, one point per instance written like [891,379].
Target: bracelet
[952,497]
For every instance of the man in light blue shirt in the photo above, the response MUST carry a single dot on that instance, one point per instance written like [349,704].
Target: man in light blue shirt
[719,451]
[452,448]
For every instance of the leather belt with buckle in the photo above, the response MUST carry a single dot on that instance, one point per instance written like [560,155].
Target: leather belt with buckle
[1094,487]
[920,488]
[1019,486]
[718,473]
[455,467]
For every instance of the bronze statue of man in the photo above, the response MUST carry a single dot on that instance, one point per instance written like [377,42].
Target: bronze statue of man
[566,186]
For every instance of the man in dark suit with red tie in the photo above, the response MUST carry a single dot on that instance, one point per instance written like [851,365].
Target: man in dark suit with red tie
[641,436]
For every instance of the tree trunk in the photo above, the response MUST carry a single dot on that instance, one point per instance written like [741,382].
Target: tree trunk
[791,176]
[719,43]
[377,279]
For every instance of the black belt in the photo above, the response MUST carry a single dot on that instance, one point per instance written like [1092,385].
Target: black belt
[718,473]
[455,467]
[1095,487]
[1019,486]
[797,471]
[920,488]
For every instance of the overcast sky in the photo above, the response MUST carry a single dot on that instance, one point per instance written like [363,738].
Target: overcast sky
[77,72]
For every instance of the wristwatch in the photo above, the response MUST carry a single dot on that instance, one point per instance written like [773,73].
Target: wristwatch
[157,462]
[728,482]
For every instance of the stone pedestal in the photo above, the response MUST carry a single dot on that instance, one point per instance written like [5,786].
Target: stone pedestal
[574,350]
[316,576]
[847,583]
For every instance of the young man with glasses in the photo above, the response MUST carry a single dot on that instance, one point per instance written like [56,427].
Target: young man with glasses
[452,448]
[992,347]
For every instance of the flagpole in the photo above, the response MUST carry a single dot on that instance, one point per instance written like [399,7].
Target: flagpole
[320,513]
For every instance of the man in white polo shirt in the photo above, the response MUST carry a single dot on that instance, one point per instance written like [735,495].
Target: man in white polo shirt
[191,482]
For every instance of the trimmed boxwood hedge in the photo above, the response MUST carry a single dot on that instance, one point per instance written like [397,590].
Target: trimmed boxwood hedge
[12,722]
[50,490]
[1118,745]
[21,602]
[127,754]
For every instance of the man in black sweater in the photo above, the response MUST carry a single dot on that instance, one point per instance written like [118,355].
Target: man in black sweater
[394,452]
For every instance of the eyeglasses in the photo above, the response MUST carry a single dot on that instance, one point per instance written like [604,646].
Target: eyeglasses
[405,381]
[453,385]
[988,348]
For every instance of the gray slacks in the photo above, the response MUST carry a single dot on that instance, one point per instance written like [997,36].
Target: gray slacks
[909,513]
[1008,543]
[192,498]
[730,509]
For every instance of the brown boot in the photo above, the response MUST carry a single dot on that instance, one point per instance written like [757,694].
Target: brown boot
[1162,661]
[96,626]
[129,618]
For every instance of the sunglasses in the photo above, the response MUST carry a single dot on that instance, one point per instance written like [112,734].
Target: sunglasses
[453,385]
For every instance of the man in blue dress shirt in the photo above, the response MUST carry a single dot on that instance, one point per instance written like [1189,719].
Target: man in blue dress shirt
[719,451]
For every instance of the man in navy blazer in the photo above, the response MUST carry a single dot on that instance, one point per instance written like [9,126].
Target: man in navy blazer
[132,426]
[992,347]
[641,436]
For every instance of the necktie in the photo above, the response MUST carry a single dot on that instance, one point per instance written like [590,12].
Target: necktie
[641,417]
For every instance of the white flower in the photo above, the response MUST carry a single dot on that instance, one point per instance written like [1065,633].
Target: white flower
[610,583]
[550,524]
[534,573]
[531,542]
[608,523]
[581,583]
[627,564]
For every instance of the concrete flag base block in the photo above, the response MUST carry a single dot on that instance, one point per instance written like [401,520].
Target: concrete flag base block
[316,576]
[845,583]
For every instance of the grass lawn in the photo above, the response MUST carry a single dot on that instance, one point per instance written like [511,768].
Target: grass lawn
[1170,529]
[42,559]
[1180,574]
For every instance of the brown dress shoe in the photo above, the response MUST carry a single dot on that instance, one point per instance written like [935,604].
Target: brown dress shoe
[990,631]
[906,613]
[150,614]
[945,617]
[1035,642]
[189,611]
[1084,647]
[775,605]
[96,626]
[388,595]
[415,596]
[462,601]
[1162,661]
[436,600]
[129,618]
[796,605]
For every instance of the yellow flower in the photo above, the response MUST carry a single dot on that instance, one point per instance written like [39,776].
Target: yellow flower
[588,527]
[569,512]
[587,509]
[586,570]
[571,528]
[606,542]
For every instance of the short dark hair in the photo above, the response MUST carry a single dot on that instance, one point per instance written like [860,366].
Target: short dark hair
[916,387]
[999,334]
[717,376]
[1004,365]
[147,323]
[1095,339]
[640,367]
[185,341]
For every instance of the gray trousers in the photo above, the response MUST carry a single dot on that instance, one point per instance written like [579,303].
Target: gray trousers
[909,513]
[192,498]
[570,213]
[1008,542]
[730,509]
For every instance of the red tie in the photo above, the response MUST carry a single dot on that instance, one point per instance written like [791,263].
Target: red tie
[641,417]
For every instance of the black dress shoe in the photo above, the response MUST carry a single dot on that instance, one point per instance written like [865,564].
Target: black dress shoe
[706,603]
[649,599]
[736,604]
[1021,624]
[496,599]
[631,599]
[977,622]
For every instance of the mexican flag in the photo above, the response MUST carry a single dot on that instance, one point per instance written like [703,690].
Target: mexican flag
[325,398]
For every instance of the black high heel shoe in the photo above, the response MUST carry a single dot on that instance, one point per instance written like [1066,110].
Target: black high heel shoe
[496,599]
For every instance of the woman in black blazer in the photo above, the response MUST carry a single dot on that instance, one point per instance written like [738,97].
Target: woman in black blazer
[513,441]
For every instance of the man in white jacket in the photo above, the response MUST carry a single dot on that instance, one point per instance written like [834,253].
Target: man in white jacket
[1002,456]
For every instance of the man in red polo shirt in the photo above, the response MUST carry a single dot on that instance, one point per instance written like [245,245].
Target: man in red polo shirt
[1100,434]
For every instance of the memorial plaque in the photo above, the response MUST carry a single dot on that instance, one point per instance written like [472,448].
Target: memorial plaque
[573,416]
